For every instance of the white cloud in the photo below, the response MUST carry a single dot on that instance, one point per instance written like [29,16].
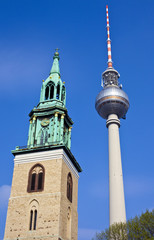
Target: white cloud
[86,234]
[4,195]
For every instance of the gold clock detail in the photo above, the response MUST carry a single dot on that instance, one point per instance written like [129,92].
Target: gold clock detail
[45,122]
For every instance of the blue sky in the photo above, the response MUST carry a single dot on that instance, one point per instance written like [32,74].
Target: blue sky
[30,31]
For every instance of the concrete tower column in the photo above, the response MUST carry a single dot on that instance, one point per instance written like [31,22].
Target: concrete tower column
[116,188]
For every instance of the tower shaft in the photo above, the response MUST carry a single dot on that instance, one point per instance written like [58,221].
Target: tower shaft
[116,189]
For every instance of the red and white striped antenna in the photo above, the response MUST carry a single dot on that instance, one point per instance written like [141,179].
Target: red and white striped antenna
[108,39]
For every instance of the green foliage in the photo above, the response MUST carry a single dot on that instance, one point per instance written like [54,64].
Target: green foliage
[138,228]
[117,231]
[141,227]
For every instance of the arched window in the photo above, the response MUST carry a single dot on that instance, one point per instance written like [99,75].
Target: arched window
[36,178]
[49,91]
[33,215]
[69,187]
[58,92]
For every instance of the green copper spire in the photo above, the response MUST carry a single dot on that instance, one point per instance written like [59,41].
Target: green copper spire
[49,121]
[55,66]
[50,125]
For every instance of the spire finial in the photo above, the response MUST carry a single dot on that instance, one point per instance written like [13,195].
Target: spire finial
[108,39]
[57,49]
[56,54]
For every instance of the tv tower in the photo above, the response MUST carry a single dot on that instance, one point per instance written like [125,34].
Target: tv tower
[112,103]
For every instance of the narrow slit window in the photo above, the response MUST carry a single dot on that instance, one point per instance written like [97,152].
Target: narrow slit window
[52,91]
[40,178]
[47,93]
[35,219]
[33,181]
[63,94]
[31,220]
[58,91]
[69,224]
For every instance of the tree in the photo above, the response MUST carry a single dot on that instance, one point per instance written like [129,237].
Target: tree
[138,228]
[117,231]
[141,227]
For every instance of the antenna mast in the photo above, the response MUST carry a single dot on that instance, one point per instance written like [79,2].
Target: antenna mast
[108,39]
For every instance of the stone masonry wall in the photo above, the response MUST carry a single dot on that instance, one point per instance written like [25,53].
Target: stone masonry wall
[51,203]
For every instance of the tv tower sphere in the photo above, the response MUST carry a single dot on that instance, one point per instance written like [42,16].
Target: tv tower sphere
[112,99]
[112,103]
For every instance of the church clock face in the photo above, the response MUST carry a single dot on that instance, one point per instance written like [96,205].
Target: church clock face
[45,122]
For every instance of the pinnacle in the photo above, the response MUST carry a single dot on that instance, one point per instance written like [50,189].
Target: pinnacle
[55,65]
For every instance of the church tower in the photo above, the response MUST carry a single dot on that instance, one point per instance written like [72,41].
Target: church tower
[44,193]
